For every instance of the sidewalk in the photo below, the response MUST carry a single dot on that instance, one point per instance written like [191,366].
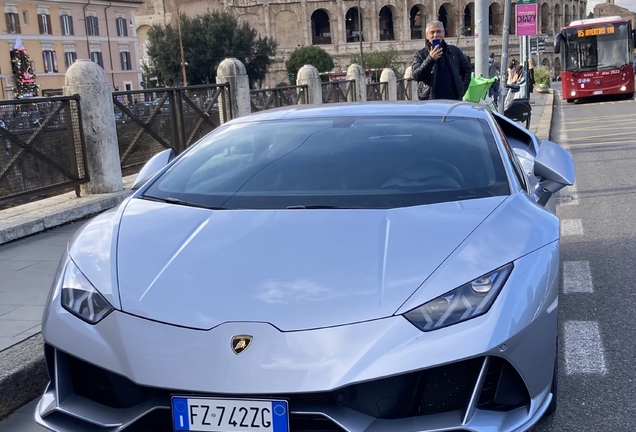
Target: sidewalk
[27,268]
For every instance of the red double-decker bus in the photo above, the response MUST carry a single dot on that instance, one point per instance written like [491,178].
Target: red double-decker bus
[596,58]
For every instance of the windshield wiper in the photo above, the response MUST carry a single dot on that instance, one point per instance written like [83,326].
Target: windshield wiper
[177,201]
[318,206]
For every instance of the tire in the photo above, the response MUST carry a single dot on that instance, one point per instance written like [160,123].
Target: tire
[569,100]
[629,96]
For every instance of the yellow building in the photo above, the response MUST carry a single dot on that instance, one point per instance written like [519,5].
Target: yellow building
[55,34]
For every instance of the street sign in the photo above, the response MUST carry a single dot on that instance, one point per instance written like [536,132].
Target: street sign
[526,18]
[533,44]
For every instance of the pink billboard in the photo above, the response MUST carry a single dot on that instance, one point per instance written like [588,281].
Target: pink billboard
[526,19]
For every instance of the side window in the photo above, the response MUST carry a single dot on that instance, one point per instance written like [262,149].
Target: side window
[521,177]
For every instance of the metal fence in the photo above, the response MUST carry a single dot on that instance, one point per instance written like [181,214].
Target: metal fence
[338,91]
[41,147]
[404,89]
[152,120]
[377,91]
[264,99]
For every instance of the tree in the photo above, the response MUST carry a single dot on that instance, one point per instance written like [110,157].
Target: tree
[207,40]
[389,58]
[590,15]
[308,55]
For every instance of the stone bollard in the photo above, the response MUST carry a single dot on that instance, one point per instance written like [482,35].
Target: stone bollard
[88,80]
[388,76]
[408,74]
[309,75]
[355,72]
[233,71]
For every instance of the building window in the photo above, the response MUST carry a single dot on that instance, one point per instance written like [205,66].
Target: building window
[92,26]
[66,21]
[25,17]
[122,28]
[13,23]
[44,22]
[97,58]
[69,58]
[50,61]
[125,60]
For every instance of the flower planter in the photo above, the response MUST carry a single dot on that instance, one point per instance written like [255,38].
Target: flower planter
[543,88]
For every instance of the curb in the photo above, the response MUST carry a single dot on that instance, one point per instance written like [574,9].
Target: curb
[544,127]
[23,374]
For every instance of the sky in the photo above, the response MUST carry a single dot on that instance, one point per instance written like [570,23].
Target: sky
[629,4]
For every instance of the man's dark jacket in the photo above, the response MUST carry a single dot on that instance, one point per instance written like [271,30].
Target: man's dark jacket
[425,70]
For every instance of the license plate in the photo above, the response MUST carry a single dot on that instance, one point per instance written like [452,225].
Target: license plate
[598,92]
[229,415]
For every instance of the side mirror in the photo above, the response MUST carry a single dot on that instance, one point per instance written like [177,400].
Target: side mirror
[557,43]
[153,166]
[554,168]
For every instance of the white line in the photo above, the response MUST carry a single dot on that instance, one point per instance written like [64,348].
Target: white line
[584,352]
[571,227]
[568,196]
[577,277]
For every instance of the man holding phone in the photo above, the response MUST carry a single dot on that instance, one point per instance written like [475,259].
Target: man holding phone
[441,70]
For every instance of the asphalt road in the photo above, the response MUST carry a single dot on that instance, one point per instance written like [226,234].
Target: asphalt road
[597,382]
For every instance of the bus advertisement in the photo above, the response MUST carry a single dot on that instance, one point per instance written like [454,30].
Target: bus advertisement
[596,58]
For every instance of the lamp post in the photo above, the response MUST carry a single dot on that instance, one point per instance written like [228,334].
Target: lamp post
[360,36]
[183,64]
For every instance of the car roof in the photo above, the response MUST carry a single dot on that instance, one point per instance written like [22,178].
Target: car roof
[370,109]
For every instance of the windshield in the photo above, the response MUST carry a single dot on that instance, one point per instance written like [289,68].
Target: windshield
[602,46]
[351,162]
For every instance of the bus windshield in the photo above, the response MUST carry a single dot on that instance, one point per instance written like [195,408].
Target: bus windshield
[603,46]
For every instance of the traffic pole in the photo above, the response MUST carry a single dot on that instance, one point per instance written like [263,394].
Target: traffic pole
[503,79]
[481,37]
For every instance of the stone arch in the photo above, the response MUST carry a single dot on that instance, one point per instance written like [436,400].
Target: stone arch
[385,21]
[495,19]
[557,67]
[557,18]
[582,10]
[418,21]
[253,20]
[468,20]
[287,29]
[142,41]
[513,25]
[446,14]
[320,27]
[574,15]
[545,18]
[353,26]
[566,15]
[545,62]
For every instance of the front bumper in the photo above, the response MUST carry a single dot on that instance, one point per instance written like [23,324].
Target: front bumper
[491,373]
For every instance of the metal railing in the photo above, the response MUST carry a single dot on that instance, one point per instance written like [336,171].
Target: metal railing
[377,91]
[41,147]
[338,91]
[404,89]
[277,97]
[149,121]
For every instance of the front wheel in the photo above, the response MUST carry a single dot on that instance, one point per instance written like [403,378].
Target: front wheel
[569,100]
[629,96]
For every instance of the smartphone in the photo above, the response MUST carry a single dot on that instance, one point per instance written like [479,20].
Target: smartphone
[436,43]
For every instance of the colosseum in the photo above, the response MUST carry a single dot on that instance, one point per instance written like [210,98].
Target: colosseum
[333,24]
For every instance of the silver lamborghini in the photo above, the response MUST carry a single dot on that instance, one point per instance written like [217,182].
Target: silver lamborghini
[346,267]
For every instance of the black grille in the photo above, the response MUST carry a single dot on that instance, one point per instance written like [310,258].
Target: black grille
[431,391]
[503,388]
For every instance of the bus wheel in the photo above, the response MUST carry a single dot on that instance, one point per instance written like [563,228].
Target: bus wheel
[569,100]
[629,96]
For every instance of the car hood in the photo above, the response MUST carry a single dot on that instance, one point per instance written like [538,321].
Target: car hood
[294,269]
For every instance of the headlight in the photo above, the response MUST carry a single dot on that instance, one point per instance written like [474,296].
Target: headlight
[468,301]
[80,298]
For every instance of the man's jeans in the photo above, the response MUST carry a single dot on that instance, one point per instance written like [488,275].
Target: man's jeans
[493,92]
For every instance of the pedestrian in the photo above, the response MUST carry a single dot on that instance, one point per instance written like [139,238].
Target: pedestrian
[494,71]
[442,71]
[530,76]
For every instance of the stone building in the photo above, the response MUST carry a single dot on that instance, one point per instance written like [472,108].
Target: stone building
[609,8]
[334,24]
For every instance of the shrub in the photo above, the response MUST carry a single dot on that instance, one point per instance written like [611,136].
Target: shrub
[542,75]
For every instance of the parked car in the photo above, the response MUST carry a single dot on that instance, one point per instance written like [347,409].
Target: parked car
[349,267]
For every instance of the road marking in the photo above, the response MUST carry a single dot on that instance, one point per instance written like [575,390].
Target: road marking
[568,196]
[577,277]
[584,352]
[571,227]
